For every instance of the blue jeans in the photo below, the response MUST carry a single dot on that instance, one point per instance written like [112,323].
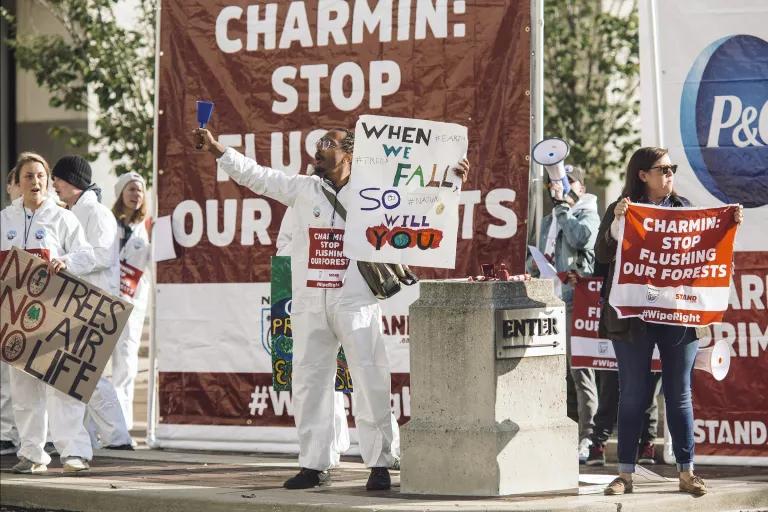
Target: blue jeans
[678,349]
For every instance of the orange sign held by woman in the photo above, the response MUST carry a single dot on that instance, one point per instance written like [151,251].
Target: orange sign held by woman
[673,265]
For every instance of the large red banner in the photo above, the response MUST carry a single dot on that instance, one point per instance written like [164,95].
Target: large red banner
[731,416]
[673,265]
[280,74]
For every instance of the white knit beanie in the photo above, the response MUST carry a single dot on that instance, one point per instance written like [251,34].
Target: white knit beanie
[125,179]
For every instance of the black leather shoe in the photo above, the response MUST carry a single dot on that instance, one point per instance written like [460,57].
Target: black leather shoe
[308,478]
[127,446]
[378,480]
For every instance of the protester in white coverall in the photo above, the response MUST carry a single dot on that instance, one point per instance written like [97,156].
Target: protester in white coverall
[326,310]
[341,427]
[72,181]
[130,210]
[9,436]
[35,223]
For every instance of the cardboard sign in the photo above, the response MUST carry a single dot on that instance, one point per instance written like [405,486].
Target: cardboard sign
[673,265]
[56,327]
[406,195]
[282,331]
[327,264]
[588,349]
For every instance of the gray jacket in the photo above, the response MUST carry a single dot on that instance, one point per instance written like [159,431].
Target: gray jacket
[576,236]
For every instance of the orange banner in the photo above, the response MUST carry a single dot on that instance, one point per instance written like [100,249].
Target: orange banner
[674,265]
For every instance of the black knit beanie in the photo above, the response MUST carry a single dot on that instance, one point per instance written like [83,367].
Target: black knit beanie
[74,170]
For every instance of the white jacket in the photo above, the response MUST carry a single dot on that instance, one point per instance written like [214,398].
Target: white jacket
[311,209]
[101,232]
[284,242]
[51,228]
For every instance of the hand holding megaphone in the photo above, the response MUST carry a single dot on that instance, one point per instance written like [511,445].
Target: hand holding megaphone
[715,359]
[551,154]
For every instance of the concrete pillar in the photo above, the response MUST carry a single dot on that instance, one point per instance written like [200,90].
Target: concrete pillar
[488,419]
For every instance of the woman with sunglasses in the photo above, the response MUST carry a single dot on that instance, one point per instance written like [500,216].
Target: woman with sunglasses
[649,179]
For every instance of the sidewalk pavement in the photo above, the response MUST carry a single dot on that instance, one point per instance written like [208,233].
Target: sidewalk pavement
[169,481]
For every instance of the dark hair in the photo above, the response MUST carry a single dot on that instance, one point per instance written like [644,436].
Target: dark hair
[642,160]
[347,144]
[25,158]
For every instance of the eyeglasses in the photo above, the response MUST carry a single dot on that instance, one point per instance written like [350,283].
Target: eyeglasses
[324,144]
[666,170]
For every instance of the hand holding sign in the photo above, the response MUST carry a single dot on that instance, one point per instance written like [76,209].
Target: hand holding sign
[738,214]
[462,170]
[621,207]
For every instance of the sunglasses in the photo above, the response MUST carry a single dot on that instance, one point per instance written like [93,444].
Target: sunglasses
[324,144]
[666,170]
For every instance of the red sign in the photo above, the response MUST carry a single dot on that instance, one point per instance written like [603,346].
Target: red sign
[327,264]
[674,264]
[40,253]
[588,349]
[129,279]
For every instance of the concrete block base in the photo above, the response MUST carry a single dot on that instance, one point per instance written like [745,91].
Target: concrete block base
[483,425]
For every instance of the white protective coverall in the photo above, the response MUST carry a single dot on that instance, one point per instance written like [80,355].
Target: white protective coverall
[104,416]
[135,260]
[328,307]
[8,430]
[340,426]
[57,233]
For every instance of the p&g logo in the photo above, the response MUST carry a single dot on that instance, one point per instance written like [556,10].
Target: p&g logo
[724,119]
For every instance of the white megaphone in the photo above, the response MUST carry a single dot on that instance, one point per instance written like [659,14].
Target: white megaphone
[551,154]
[715,359]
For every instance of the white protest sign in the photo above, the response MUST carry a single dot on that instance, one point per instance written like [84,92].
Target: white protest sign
[546,269]
[405,206]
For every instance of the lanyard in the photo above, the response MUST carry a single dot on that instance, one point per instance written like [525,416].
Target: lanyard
[28,229]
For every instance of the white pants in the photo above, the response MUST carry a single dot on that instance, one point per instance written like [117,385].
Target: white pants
[125,361]
[340,428]
[7,424]
[315,344]
[34,404]
[104,417]
[341,436]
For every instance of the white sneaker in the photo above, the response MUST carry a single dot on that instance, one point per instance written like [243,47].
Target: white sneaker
[75,464]
[584,445]
[26,466]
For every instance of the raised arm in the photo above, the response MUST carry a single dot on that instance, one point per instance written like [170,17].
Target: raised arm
[246,172]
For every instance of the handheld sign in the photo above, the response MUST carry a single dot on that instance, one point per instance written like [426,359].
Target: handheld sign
[204,111]
[673,265]
[405,194]
[56,327]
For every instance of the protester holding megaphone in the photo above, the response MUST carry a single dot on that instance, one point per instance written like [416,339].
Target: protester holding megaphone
[567,239]
[649,179]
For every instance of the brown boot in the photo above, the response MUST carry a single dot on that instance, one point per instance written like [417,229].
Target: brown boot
[693,485]
[619,486]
